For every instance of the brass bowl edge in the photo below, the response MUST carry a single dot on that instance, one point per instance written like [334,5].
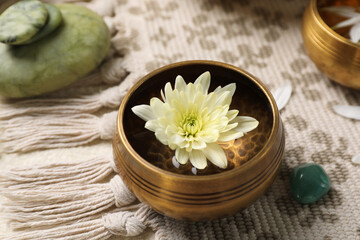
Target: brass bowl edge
[189,197]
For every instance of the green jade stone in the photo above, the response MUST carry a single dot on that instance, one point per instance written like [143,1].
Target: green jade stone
[72,51]
[309,183]
[22,21]
[54,20]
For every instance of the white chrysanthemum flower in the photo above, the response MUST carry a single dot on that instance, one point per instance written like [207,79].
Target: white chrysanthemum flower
[191,121]
[353,20]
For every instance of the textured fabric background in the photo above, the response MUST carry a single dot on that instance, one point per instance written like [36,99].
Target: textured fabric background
[263,37]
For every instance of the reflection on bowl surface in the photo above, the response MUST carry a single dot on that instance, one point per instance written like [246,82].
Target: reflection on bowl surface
[147,168]
[248,99]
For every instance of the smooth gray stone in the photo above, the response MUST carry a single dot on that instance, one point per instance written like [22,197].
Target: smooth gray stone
[21,21]
[72,51]
[53,21]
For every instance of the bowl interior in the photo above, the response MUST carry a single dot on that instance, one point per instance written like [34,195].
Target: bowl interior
[331,19]
[249,99]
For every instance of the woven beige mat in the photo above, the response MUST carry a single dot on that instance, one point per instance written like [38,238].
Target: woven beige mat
[263,37]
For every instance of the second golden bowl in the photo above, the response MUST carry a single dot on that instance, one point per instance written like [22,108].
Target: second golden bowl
[336,56]
[146,166]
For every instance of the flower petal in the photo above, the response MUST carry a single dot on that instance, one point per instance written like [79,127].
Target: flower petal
[345,11]
[347,22]
[198,159]
[352,112]
[245,124]
[181,155]
[230,126]
[162,95]
[168,91]
[190,92]
[198,144]
[210,135]
[180,83]
[355,33]
[209,101]
[356,159]
[224,99]
[230,135]
[231,114]
[161,136]
[152,125]
[282,95]
[204,81]
[230,87]
[157,107]
[177,139]
[144,112]
[215,154]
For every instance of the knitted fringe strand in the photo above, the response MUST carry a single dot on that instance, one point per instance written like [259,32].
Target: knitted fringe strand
[101,226]
[66,201]
[30,133]
[110,98]
[35,204]
[91,171]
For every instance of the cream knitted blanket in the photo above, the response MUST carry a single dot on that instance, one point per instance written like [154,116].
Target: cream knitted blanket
[263,37]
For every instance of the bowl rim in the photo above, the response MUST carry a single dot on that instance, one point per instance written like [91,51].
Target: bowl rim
[233,172]
[327,28]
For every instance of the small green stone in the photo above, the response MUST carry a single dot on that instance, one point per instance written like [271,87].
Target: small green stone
[54,20]
[309,183]
[22,21]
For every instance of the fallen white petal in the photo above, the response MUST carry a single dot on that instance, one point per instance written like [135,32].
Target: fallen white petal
[356,159]
[175,162]
[355,33]
[352,112]
[282,95]
[216,155]
[144,112]
[198,159]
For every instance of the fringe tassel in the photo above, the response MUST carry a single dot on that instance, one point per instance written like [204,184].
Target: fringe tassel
[88,229]
[117,222]
[110,72]
[91,171]
[110,98]
[30,133]
[65,201]
[51,205]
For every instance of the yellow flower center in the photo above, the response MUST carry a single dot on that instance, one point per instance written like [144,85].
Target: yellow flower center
[191,125]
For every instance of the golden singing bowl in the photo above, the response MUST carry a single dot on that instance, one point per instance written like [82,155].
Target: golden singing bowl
[147,168]
[336,56]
